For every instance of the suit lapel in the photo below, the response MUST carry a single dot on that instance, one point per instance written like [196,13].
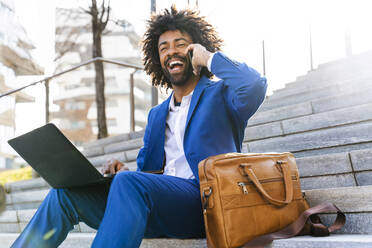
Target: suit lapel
[158,135]
[203,82]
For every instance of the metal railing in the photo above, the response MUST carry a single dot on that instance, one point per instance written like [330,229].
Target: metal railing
[47,79]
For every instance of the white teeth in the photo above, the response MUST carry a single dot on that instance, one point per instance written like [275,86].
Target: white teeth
[175,62]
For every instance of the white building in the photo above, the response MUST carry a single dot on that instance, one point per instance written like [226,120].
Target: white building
[15,60]
[76,99]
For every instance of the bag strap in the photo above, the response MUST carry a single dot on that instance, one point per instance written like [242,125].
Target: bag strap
[287,184]
[205,202]
[309,216]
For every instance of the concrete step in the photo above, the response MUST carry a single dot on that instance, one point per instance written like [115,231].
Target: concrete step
[40,184]
[355,202]
[325,92]
[311,107]
[339,169]
[317,139]
[29,199]
[330,119]
[83,240]
[354,59]
[113,147]
[32,184]
[341,101]
[128,157]
[114,139]
[317,78]
[280,113]
[270,103]
[21,196]
[348,168]
[362,82]
[342,68]
[333,170]
[340,73]
[334,241]
[14,221]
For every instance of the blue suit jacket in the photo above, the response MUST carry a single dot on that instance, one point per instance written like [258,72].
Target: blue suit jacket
[217,117]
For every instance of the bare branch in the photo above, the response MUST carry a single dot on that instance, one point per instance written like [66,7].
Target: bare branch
[102,13]
[104,24]
[67,37]
[89,12]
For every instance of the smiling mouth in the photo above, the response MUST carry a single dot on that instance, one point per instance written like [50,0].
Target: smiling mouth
[175,66]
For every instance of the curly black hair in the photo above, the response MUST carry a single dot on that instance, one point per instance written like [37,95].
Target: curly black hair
[187,21]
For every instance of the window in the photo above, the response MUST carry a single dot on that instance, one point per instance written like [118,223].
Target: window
[87,82]
[111,103]
[111,82]
[72,105]
[71,124]
[77,124]
[112,123]
[72,86]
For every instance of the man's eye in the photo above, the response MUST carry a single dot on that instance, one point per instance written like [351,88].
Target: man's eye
[181,45]
[162,49]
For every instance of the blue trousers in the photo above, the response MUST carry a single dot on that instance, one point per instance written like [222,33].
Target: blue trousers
[134,206]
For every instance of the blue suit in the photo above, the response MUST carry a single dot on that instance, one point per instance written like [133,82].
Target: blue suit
[139,204]
[217,116]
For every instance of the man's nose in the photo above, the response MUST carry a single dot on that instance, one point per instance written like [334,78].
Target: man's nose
[172,51]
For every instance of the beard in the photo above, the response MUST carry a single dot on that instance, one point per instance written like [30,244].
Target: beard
[181,78]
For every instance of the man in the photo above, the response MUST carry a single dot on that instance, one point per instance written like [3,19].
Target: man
[201,118]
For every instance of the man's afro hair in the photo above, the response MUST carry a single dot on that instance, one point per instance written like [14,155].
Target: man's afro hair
[187,21]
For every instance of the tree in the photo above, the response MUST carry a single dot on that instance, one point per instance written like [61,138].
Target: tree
[67,37]
[100,16]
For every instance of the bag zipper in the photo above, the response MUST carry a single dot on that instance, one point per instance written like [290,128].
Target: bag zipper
[243,185]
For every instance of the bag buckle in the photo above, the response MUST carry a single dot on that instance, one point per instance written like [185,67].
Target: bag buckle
[206,199]
[278,165]
[241,168]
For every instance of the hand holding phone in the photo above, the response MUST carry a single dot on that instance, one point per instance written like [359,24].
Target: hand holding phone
[199,56]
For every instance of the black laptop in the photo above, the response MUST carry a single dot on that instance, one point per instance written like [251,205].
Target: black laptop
[56,159]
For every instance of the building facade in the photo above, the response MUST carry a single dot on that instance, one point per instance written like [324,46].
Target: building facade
[77,116]
[15,60]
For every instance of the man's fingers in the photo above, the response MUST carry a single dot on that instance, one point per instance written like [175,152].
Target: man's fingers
[200,57]
[118,166]
[112,169]
[196,69]
[124,168]
[106,167]
[105,170]
[189,48]
[113,166]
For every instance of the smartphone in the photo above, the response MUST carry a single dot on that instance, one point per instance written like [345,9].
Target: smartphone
[190,55]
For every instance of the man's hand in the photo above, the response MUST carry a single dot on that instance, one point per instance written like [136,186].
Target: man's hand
[113,167]
[200,57]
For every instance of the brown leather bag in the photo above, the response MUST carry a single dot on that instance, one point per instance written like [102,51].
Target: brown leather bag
[246,196]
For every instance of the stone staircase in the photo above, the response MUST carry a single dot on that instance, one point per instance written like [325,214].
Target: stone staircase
[324,118]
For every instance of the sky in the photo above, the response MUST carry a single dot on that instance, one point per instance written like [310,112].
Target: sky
[243,25]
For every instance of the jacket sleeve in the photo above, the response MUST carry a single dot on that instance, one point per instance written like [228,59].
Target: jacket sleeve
[244,88]
[142,153]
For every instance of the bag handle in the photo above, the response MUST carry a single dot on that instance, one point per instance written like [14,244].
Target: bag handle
[316,229]
[287,184]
